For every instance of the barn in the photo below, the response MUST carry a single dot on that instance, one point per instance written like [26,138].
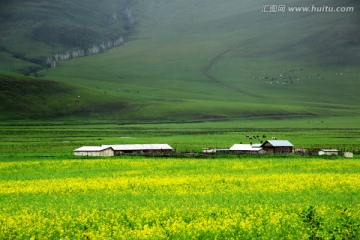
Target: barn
[247,149]
[277,147]
[94,151]
[140,149]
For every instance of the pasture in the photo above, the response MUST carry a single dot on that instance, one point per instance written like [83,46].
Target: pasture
[47,193]
[182,61]
[59,139]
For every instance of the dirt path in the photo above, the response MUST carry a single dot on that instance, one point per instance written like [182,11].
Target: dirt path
[207,72]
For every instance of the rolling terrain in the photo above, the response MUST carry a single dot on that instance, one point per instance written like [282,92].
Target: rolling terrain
[181,60]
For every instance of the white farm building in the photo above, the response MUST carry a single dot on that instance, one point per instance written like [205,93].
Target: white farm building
[247,148]
[140,148]
[94,151]
[121,149]
[329,152]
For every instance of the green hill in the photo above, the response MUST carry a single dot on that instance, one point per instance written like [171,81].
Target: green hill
[27,98]
[33,30]
[186,60]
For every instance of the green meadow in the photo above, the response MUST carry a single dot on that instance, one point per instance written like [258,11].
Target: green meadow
[61,138]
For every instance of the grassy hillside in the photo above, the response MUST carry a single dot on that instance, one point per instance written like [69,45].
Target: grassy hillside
[33,30]
[207,60]
[26,98]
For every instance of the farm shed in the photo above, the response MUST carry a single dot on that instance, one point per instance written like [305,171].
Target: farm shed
[94,151]
[329,152]
[215,150]
[277,147]
[209,150]
[247,148]
[140,148]
[348,154]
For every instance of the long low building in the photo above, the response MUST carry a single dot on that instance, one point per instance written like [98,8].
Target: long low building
[140,148]
[121,149]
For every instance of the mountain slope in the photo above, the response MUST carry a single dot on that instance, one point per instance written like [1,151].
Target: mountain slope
[33,30]
[186,60]
[30,98]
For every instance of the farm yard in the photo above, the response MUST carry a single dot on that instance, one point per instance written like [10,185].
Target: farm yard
[47,193]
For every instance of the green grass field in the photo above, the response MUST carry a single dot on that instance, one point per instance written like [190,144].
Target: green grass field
[61,138]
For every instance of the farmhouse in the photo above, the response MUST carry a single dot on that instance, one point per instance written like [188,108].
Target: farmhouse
[277,147]
[329,152]
[94,151]
[140,149]
[247,148]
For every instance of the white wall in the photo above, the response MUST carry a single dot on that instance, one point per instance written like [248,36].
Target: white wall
[104,153]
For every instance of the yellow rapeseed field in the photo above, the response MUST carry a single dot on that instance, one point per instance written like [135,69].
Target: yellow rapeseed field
[139,198]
